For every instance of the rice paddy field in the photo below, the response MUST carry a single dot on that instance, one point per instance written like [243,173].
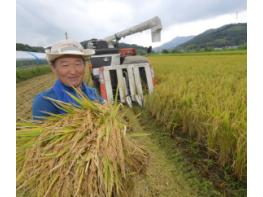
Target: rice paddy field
[26,90]
[205,98]
[195,123]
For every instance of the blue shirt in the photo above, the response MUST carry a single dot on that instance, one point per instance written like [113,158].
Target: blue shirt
[58,92]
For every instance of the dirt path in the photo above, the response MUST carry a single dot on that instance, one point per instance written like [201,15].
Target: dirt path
[168,174]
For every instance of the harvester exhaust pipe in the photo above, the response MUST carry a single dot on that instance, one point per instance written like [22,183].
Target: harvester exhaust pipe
[154,24]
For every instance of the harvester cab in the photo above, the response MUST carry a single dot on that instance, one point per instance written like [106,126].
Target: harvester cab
[121,73]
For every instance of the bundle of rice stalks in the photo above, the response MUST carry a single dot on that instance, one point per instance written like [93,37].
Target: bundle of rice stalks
[85,152]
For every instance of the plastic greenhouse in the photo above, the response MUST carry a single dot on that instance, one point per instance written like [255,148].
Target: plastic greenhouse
[28,58]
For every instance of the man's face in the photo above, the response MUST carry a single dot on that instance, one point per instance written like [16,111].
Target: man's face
[70,70]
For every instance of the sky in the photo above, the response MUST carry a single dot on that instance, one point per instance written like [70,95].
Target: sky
[43,22]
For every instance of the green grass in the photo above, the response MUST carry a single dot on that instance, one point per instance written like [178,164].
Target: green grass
[204,98]
[30,72]
[223,52]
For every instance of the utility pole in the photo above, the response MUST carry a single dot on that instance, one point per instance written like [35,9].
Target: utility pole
[66,35]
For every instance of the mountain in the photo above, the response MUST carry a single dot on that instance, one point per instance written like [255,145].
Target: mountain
[227,36]
[139,49]
[25,47]
[173,43]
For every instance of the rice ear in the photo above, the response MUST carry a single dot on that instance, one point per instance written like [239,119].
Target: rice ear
[85,152]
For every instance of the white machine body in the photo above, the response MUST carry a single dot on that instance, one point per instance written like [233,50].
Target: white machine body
[131,81]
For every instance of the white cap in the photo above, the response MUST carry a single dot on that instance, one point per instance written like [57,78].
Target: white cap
[67,47]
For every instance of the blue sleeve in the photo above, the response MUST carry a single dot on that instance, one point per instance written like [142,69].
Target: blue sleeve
[40,106]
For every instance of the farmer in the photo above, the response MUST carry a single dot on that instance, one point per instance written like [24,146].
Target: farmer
[67,59]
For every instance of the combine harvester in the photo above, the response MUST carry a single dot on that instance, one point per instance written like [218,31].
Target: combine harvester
[121,72]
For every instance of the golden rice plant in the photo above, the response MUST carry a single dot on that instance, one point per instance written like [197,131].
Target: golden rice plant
[85,152]
[204,96]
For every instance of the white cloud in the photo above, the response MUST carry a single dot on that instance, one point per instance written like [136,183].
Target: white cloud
[43,22]
[187,29]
